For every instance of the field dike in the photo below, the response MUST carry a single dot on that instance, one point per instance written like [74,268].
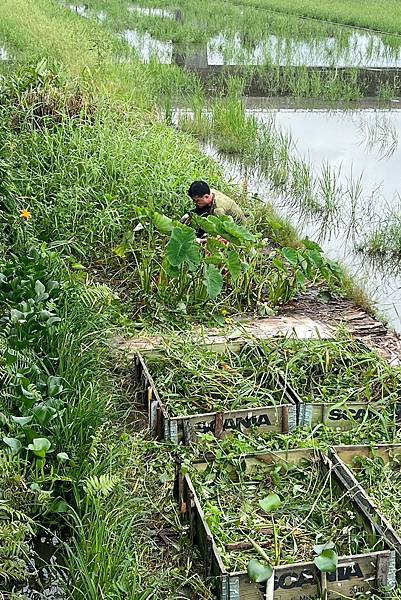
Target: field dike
[177,422]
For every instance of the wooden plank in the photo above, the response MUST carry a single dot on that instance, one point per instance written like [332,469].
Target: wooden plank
[385,451]
[359,574]
[298,326]
[280,418]
[341,458]
[202,533]
[258,420]
[345,416]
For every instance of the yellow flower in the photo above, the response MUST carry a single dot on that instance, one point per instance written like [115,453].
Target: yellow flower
[25,214]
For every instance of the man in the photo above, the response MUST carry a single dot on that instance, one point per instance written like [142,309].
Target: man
[211,202]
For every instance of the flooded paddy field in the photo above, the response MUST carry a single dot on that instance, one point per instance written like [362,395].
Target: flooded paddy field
[241,35]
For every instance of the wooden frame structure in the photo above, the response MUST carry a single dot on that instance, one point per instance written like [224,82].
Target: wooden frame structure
[355,574]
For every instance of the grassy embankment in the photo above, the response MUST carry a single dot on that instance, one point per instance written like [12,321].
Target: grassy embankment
[84,153]
[381,16]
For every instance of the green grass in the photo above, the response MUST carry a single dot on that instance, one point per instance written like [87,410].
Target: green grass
[385,241]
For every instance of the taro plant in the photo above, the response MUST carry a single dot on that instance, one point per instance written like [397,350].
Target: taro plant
[233,267]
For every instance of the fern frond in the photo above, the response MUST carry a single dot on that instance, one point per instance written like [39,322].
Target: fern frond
[101,486]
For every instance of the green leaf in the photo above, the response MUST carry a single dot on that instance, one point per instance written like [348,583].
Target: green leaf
[291,255]
[22,420]
[52,320]
[16,315]
[300,278]
[182,247]
[161,222]
[234,264]
[40,289]
[13,443]
[171,271]
[327,561]
[310,245]
[316,258]
[279,264]
[237,231]
[52,285]
[60,506]
[270,504]
[40,446]
[319,548]
[54,386]
[209,224]
[257,572]
[63,456]
[213,281]
[43,413]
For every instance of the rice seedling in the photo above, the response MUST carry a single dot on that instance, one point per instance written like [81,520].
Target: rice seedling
[385,239]
[374,15]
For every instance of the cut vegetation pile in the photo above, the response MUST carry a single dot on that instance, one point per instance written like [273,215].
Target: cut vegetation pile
[193,380]
[382,481]
[303,508]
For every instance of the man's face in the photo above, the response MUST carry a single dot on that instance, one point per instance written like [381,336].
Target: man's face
[203,201]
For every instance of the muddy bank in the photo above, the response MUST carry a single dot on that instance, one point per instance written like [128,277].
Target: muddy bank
[361,325]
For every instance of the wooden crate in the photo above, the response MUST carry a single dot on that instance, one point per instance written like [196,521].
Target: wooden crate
[186,429]
[342,416]
[342,457]
[355,574]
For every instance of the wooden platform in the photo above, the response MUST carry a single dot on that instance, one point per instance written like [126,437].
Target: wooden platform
[235,335]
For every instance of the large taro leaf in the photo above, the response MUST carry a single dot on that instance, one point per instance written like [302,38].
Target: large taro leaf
[291,255]
[213,281]
[239,232]
[234,264]
[161,222]
[183,248]
[209,224]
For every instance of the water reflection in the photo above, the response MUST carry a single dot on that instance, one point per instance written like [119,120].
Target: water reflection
[147,47]
[84,11]
[80,9]
[362,50]
[156,12]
